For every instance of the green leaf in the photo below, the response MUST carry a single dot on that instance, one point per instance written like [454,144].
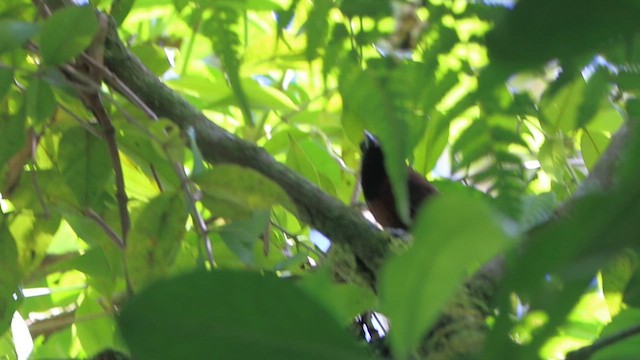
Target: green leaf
[236,191]
[248,316]
[592,145]
[6,80]
[559,29]
[33,234]
[623,349]
[225,41]
[11,275]
[372,8]
[344,301]
[155,238]
[308,159]
[416,285]
[153,57]
[85,165]
[631,294]
[41,103]
[121,9]
[616,276]
[13,130]
[560,108]
[595,96]
[267,97]
[95,332]
[67,33]
[241,235]
[13,34]
[317,28]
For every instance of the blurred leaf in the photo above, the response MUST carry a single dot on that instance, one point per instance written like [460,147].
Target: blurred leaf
[631,294]
[317,28]
[153,57]
[85,165]
[626,349]
[41,103]
[241,235]
[225,42]
[95,333]
[375,9]
[344,301]
[32,233]
[616,276]
[6,81]
[13,34]
[592,145]
[558,29]
[595,95]
[560,108]
[121,9]
[236,191]
[13,130]
[416,285]
[249,316]
[67,33]
[314,163]
[11,275]
[155,238]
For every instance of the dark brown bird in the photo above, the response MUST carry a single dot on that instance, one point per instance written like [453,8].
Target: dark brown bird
[377,187]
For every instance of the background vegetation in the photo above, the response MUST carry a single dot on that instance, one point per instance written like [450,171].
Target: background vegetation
[167,173]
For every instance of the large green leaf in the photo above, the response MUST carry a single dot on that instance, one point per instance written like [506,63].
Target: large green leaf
[232,315]
[67,33]
[85,164]
[13,34]
[155,238]
[453,235]
[41,103]
[236,191]
[537,31]
[241,235]
[626,349]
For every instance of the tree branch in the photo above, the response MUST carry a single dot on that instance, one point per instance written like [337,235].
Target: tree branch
[341,224]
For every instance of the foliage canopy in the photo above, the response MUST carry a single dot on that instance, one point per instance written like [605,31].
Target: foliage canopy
[168,168]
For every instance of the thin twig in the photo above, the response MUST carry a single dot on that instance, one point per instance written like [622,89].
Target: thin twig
[586,352]
[197,218]
[296,239]
[107,229]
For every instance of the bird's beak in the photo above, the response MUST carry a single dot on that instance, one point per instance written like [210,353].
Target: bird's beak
[369,141]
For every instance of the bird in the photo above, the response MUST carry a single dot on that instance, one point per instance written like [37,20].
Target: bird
[377,190]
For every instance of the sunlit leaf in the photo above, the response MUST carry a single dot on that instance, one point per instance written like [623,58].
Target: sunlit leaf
[155,238]
[232,190]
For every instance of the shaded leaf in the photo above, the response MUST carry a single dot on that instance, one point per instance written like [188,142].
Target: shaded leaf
[13,34]
[416,285]
[248,316]
[241,235]
[67,33]
[85,164]
[41,103]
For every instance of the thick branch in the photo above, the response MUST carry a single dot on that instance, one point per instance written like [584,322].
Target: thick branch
[337,221]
